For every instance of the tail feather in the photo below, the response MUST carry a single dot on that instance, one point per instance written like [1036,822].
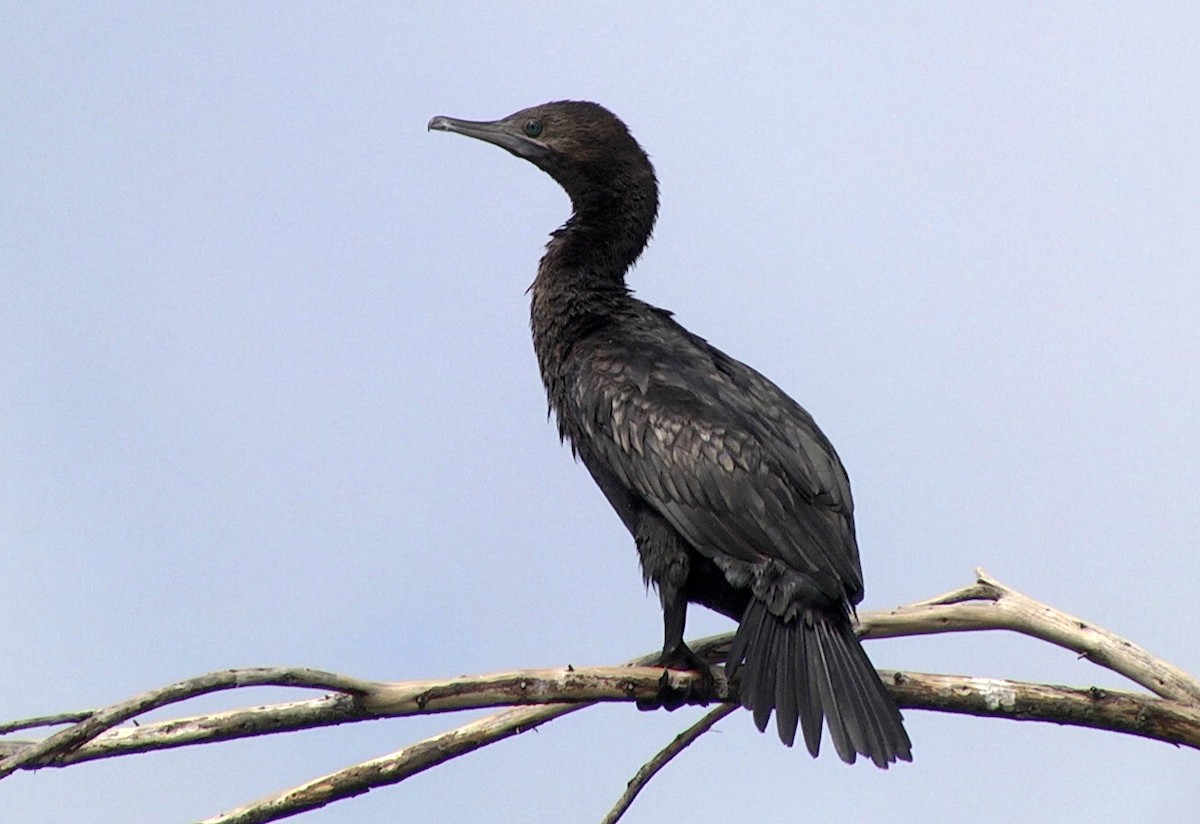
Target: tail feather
[812,669]
[811,714]
[787,687]
[879,715]
[759,630]
[841,713]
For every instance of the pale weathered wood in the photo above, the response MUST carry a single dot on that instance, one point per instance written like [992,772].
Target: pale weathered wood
[64,741]
[986,604]
[650,769]
[394,767]
[1160,719]
[1156,718]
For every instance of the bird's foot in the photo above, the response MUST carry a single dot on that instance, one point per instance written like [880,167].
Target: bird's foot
[671,698]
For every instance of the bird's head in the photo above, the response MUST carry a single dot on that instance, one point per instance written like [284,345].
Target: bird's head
[582,145]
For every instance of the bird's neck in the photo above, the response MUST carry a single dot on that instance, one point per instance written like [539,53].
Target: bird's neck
[580,285]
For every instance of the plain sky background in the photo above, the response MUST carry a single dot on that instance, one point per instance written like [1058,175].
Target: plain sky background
[267,394]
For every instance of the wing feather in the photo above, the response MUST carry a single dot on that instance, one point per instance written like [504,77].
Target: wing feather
[733,463]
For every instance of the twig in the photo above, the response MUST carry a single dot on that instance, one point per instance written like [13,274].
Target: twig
[44,721]
[664,756]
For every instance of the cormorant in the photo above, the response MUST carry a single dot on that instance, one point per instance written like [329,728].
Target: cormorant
[734,497]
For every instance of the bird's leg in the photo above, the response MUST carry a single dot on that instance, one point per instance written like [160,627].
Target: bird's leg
[665,563]
[677,655]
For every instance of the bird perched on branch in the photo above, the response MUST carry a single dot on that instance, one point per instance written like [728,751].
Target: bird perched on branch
[734,497]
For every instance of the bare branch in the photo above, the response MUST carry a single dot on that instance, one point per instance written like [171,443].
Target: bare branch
[1173,717]
[603,683]
[44,721]
[394,767]
[579,687]
[1156,718]
[97,722]
[328,710]
[988,604]
[1161,719]
[391,700]
[530,687]
[664,756]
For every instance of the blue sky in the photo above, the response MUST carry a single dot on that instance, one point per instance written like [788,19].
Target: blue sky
[268,396]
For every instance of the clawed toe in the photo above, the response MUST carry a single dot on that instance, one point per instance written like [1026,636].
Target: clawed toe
[672,698]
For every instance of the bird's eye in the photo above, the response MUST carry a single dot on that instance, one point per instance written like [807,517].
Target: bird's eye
[533,127]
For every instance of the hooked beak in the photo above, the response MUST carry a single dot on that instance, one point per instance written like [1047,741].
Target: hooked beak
[503,133]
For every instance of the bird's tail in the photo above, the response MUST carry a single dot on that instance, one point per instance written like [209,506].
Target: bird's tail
[812,667]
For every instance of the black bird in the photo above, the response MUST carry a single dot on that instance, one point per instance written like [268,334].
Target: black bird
[734,497]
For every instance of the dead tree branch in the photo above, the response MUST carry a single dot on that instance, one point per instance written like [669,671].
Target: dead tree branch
[988,605]
[1161,719]
[1171,715]
[95,723]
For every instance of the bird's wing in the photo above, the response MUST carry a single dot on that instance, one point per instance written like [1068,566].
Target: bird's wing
[735,465]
